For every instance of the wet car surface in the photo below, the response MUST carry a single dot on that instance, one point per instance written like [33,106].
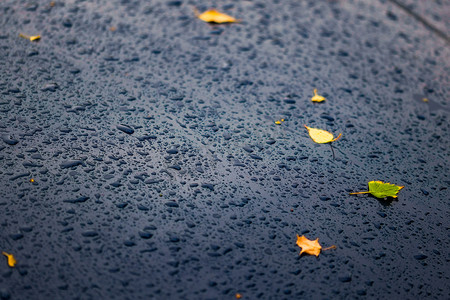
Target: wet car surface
[140,159]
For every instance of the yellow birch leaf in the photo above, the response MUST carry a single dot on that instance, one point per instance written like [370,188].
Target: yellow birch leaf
[31,38]
[317,98]
[321,136]
[11,260]
[213,16]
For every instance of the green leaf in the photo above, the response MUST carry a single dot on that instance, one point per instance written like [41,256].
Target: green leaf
[381,189]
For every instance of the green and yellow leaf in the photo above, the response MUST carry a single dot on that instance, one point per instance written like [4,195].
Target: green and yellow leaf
[381,189]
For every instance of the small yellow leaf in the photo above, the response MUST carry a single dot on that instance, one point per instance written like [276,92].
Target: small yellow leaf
[11,260]
[308,246]
[31,38]
[317,98]
[425,100]
[321,136]
[278,122]
[213,16]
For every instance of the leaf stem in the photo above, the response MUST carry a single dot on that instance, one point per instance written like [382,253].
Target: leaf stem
[329,248]
[338,137]
[332,150]
[356,193]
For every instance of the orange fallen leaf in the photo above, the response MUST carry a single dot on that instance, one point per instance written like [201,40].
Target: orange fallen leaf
[11,260]
[310,247]
[213,16]
[238,296]
[321,136]
[317,98]
[279,122]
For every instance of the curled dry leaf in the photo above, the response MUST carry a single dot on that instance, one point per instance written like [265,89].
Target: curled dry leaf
[213,16]
[317,98]
[381,189]
[11,260]
[321,136]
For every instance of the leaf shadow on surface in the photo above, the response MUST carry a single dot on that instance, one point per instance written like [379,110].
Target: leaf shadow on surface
[385,202]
